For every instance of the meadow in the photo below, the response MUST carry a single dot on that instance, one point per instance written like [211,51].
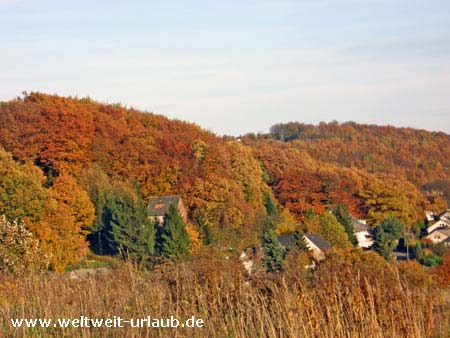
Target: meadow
[365,298]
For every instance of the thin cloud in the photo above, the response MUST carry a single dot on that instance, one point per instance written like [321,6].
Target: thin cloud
[8,2]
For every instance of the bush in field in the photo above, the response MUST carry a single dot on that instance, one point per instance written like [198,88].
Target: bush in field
[19,250]
[442,272]
[430,259]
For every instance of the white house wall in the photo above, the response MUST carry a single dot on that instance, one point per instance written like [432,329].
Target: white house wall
[436,237]
[364,239]
[438,224]
[317,253]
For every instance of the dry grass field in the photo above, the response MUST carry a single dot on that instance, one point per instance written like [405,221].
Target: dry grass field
[361,298]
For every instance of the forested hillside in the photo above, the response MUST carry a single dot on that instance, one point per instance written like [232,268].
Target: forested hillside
[421,156]
[374,170]
[64,157]
[221,182]
[76,177]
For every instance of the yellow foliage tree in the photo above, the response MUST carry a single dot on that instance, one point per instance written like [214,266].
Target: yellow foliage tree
[195,241]
[67,222]
[66,190]
[22,192]
[385,196]
[288,223]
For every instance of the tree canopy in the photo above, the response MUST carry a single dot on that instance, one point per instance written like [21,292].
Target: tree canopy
[386,236]
[172,238]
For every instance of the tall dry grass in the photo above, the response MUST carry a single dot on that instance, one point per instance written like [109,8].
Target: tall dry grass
[339,300]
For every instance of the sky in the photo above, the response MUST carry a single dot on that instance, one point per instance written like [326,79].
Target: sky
[237,66]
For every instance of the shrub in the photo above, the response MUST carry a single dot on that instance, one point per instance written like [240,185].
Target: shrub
[430,260]
[19,250]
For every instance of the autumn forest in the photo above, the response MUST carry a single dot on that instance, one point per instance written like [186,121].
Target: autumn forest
[76,177]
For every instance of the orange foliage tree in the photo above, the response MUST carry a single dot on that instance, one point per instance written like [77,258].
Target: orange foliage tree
[67,221]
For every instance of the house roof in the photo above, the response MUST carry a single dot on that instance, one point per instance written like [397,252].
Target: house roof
[442,230]
[445,217]
[285,240]
[318,241]
[442,223]
[429,215]
[158,205]
[445,231]
[358,225]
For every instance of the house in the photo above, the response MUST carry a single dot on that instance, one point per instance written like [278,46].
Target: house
[159,205]
[447,242]
[439,224]
[440,235]
[442,222]
[315,243]
[361,231]
[445,216]
[285,240]
[429,215]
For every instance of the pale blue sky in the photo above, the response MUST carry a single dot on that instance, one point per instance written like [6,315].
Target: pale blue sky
[237,66]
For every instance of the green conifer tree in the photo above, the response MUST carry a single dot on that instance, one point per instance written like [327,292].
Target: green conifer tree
[172,238]
[343,216]
[131,232]
[298,241]
[310,214]
[271,207]
[274,252]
